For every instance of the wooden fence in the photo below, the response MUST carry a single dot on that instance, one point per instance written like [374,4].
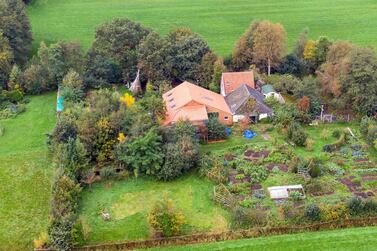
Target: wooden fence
[229,235]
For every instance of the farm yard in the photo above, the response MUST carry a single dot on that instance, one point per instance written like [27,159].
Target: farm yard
[221,23]
[171,122]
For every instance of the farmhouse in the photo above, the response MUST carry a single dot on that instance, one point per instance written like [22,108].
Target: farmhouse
[230,81]
[190,102]
[238,99]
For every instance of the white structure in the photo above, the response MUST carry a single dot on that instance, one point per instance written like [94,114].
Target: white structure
[269,91]
[283,192]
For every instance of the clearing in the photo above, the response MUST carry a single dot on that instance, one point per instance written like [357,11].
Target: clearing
[129,202]
[220,22]
[25,174]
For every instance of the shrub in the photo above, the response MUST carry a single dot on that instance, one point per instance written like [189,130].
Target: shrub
[216,130]
[333,212]
[60,234]
[336,133]
[164,217]
[313,212]
[180,157]
[355,206]
[325,135]
[107,173]
[295,196]
[309,144]
[296,134]
[315,171]
[246,203]
[78,235]
[42,241]
[247,218]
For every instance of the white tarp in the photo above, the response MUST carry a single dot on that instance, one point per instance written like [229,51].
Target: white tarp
[281,192]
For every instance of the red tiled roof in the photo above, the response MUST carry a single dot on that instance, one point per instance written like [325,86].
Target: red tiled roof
[189,101]
[232,80]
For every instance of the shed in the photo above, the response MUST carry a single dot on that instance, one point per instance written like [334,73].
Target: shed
[283,192]
[269,91]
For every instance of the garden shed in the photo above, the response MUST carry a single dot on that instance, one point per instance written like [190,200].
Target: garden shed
[283,192]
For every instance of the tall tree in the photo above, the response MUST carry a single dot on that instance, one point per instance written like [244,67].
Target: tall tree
[16,27]
[335,68]
[118,40]
[6,58]
[360,85]
[300,43]
[269,44]
[242,56]
[155,58]
[188,50]
[206,69]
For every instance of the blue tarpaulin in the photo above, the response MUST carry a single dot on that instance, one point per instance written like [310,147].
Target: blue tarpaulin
[248,134]
[59,105]
[228,131]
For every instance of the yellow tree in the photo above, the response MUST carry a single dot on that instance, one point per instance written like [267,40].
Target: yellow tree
[335,68]
[127,99]
[310,50]
[269,42]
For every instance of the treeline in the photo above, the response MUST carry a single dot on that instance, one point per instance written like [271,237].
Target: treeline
[337,73]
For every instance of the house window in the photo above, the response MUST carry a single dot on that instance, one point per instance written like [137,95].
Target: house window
[213,115]
[226,117]
[172,106]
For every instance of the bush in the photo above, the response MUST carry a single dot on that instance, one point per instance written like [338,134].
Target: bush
[333,212]
[313,212]
[336,133]
[247,218]
[309,144]
[296,134]
[355,206]
[295,196]
[315,171]
[216,130]
[325,135]
[60,234]
[107,173]
[42,241]
[164,217]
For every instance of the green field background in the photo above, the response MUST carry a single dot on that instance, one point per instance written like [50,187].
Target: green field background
[220,22]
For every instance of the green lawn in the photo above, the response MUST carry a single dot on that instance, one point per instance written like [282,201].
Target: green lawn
[25,174]
[357,239]
[129,202]
[220,22]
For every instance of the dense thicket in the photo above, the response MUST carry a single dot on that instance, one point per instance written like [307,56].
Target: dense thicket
[15,25]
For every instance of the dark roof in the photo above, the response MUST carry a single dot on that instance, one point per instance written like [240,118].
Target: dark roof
[239,97]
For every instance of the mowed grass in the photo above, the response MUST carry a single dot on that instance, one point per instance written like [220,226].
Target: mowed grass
[355,239]
[25,174]
[220,22]
[130,201]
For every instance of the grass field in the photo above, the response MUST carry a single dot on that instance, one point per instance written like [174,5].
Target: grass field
[355,239]
[220,22]
[25,174]
[129,202]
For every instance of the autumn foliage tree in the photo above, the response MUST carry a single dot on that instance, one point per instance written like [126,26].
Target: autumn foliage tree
[303,104]
[269,44]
